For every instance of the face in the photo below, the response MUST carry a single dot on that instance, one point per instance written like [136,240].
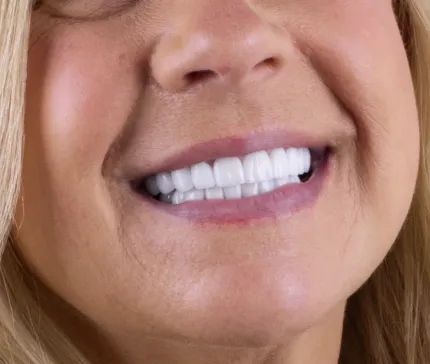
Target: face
[228,172]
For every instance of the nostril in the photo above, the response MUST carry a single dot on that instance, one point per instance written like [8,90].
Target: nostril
[199,76]
[270,63]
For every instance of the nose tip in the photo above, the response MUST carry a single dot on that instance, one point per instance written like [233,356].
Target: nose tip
[246,50]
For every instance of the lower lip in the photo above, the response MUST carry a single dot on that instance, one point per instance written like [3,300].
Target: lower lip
[285,200]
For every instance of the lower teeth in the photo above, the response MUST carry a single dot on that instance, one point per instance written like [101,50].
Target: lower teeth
[237,192]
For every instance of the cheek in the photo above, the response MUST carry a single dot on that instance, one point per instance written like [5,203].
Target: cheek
[358,52]
[80,95]
[360,55]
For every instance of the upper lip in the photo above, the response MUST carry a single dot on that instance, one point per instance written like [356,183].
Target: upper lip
[236,146]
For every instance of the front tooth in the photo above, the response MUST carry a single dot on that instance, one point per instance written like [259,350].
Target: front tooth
[266,186]
[182,180]
[178,198]
[194,195]
[151,185]
[257,167]
[231,193]
[202,176]
[249,189]
[279,163]
[293,157]
[228,172]
[165,182]
[215,193]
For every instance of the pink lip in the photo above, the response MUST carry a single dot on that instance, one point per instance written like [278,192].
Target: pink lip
[285,200]
[235,147]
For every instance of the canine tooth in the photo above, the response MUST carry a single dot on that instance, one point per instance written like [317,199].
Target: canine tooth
[249,189]
[165,182]
[266,186]
[293,157]
[301,161]
[257,167]
[202,176]
[228,172]
[279,163]
[215,193]
[182,180]
[231,193]
[307,160]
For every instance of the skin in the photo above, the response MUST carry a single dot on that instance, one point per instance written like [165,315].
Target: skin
[108,92]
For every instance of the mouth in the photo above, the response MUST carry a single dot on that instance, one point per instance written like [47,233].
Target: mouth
[251,183]
[232,178]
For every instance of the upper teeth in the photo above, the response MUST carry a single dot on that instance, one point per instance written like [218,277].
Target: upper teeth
[262,166]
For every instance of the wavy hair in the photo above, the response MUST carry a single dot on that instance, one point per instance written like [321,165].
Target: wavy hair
[387,320]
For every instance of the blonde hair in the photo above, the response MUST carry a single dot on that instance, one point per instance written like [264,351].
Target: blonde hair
[387,320]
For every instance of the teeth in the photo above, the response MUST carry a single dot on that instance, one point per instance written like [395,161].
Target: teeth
[266,186]
[257,167]
[232,178]
[228,172]
[178,197]
[292,156]
[250,189]
[281,168]
[215,193]
[165,183]
[307,160]
[182,180]
[195,195]
[202,176]
[282,182]
[227,193]
[294,179]
[298,160]
[300,163]
[231,193]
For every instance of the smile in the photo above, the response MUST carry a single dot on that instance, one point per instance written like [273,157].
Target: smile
[236,180]
[231,178]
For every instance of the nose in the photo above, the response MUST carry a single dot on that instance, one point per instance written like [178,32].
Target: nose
[219,41]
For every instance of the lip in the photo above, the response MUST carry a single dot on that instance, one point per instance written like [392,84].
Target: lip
[284,201]
[236,147]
